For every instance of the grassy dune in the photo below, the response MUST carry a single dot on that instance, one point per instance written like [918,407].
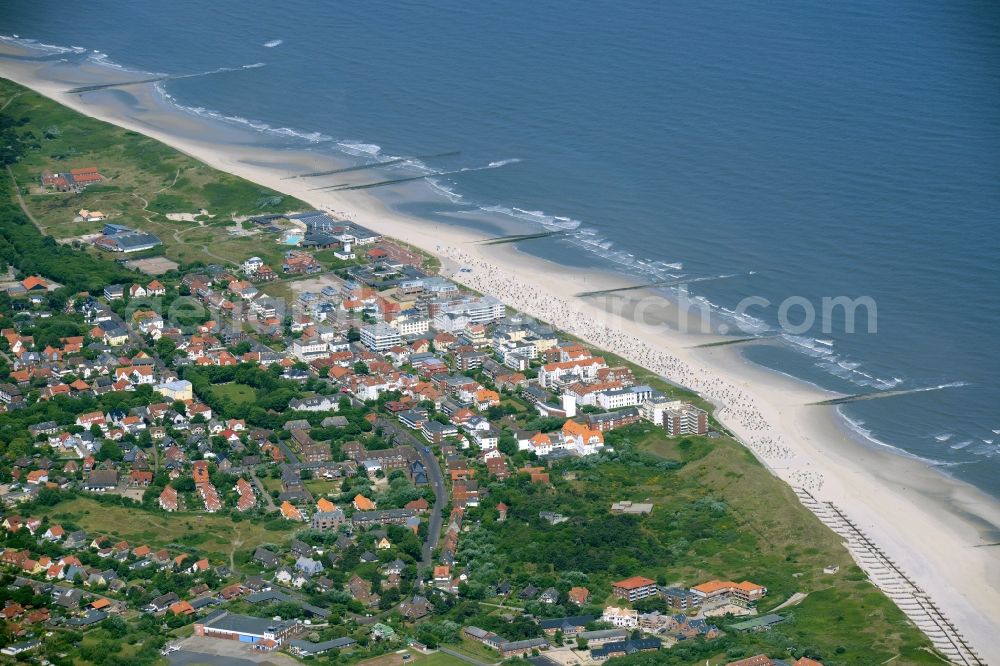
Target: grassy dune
[216,536]
[145,180]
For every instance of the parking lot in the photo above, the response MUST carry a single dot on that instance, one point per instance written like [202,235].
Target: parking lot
[215,652]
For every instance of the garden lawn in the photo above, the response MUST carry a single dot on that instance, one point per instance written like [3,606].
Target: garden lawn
[238,393]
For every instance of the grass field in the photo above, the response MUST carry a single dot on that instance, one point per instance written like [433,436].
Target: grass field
[329,259]
[322,486]
[238,393]
[515,404]
[145,180]
[476,650]
[437,659]
[271,484]
[777,535]
[718,515]
[216,536]
[396,659]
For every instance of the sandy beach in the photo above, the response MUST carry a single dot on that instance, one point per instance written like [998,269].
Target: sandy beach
[934,532]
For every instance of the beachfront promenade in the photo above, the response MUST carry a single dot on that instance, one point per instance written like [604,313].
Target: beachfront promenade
[738,410]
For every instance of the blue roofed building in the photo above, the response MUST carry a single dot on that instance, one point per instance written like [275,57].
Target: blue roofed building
[119,238]
[262,633]
[314,220]
[624,648]
[309,649]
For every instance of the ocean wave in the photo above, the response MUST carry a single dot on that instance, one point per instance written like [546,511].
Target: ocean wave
[445,191]
[359,149]
[260,126]
[34,44]
[104,60]
[491,165]
[639,267]
[550,222]
[95,56]
[944,437]
[373,151]
[218,70]
[984,450]
[274,42]
[585,238]
[415,165]
[847,369]
[858,427]
[810,346]
[496,165]
[746,323]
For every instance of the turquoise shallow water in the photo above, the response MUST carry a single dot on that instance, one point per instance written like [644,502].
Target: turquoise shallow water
[846,149]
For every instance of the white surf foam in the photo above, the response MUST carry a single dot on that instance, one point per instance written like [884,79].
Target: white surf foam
[359,148]
[858,427]
[550,222]
[445,191]
[35,45]
[260,126]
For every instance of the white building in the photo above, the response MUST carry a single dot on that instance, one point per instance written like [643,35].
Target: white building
[451,322]
[177,389]
[252,265]
[515,362]
[688,420]
[657,405]
[621,617]
[479,310]
[411,326]
[266,307]
[379,337]
[625,397]
[319,403]
[516,354]
[585,368]
[308,349]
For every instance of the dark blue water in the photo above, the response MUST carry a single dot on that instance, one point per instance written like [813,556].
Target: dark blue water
[834,149]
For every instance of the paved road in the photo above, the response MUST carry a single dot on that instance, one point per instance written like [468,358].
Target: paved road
[289,454]
[264,493]
[427,457]
[440,500]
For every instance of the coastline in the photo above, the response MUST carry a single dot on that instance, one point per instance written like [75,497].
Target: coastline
[928,523]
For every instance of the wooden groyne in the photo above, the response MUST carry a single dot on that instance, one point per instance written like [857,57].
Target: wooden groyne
[885,574]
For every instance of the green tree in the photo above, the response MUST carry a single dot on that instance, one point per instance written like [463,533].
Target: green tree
[110,451]
[184,484]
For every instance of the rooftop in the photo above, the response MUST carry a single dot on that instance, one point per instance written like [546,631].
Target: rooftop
[244,624]
[634,582]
